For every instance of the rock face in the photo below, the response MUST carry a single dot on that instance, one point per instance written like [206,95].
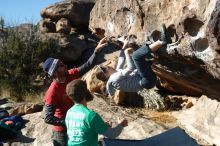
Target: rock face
[63,26]
[205,125]
[214,27]
[47,26]
[63,21]
[77,11]
[70,46]
[191,66]
[35,133]
[138,128]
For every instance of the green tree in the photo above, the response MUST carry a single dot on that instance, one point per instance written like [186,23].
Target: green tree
[21,52]
[2,24]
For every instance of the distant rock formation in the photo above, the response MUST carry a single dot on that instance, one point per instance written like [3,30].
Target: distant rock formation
[61,22]
[76,11]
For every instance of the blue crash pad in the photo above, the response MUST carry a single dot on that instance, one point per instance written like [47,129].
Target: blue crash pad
[172,137]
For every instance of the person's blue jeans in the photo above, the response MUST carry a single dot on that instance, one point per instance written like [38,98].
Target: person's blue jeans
[148,77]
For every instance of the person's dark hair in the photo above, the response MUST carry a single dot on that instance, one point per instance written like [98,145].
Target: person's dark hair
[100,74]
[132,42]
[133,45]
[77,90]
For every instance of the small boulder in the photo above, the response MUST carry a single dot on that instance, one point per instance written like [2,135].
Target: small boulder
[26,109]
[47,26]
[63,26]
[77,11]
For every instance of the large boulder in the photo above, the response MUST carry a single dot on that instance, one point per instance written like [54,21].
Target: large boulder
[67,22]
[26,108]
[202,121]
[76,11]
[63,26]
[70,47]
[189,67]
[213,30]
[47,26]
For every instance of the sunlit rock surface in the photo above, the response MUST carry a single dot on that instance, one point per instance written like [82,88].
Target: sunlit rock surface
[202,120]
[190,66]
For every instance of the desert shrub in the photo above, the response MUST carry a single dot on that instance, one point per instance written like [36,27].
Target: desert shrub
[21,52]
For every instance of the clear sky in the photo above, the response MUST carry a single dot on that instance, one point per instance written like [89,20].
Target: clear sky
[23,11]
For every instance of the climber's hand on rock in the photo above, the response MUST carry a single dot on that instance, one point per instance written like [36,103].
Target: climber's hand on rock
[123,122]
[129,51]
[126,41]
[102,43]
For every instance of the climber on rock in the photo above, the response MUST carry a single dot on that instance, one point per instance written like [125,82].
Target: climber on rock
[138,74]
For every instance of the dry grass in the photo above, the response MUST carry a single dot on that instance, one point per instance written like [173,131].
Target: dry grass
[33,97]
[159,117]
[7,92]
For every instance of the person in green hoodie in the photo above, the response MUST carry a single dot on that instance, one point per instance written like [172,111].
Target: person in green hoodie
[84,125]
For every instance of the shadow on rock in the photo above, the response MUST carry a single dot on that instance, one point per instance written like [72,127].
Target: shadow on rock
[23,139]
[109,49]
